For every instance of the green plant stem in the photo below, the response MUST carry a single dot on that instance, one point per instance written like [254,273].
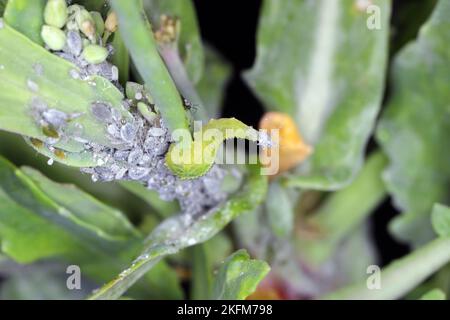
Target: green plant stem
[344,210]
[171,57]
[139,40]
[402,275]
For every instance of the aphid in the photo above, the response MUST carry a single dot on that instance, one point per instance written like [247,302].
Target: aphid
[74,42]
[38,69]
[128,132]
[33,86]
[101,111]
[36,143]
[60,154]
[50,132]
[190,106]
[135,156]
[138,173]
[55,118]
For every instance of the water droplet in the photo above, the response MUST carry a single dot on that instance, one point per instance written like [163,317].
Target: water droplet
[74,74]
[50,162]
[138,96]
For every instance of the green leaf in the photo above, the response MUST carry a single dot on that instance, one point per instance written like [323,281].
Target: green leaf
[31,75]
[190,161]
[280,210]
[212,85]
[344,211]
[2,6]
[163,208]
[27,17]
[201,273]
[320,63]
[37,220]
[416,126]
[435,294]
[402,275]
[239,276]
[440,219]
[190,44]
[121,59]
[179,232]
[139,40]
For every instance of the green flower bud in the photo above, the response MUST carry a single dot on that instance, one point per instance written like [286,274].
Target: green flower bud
[99,23]
[55,13]
[95,54]
[86,23]
[111,22]
[53,37]
[144,109]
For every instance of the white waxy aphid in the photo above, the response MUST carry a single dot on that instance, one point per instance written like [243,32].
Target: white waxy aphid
[55,117]
[138,96]
[114,73]
[135,156]
[101,111]
[128,132]
[74,74]
[38,69]
[137,173]
[74,42]
[33,86]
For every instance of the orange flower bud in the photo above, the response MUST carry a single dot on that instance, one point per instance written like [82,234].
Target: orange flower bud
[291,148]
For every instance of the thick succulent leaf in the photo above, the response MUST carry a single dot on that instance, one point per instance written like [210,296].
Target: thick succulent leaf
[179,232]
[163,208]
[27,17]
[402,275]
[435,294]
[143,50]
[190,44]
[415,128]
[212,85]
[440,219]
[345,210]
[239,276]
[29,74]
[87,211]
[37,220]
[306,67]
[280,210]
[193,160]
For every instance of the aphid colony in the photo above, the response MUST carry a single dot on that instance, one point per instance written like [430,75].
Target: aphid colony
[80,37]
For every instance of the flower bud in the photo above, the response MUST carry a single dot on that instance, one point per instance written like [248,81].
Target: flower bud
[99,23]
[86,23]
[111,22]
[95,54]
[53,37]
[55,13]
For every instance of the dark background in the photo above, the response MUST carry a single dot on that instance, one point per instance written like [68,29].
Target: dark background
[231,28]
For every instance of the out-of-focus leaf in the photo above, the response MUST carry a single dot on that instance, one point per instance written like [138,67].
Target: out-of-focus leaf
[190,43]
[415,128]
[27,17]
[402,275]
[319,62]
[163,208]
[179,232]
[84,209]
[280,210]
[45,281]
[345,210]
[2,6]
[239,276]
[29,75]
[201,273]
[35,224]
[211,86]
[121,58]
[440,219]
[95,5]
[435,294]
[143,50]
